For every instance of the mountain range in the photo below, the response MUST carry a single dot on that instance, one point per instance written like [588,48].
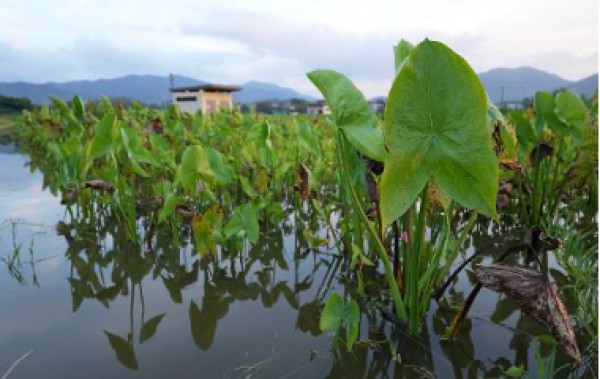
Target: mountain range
[509,84]
[515,84]
[149,89]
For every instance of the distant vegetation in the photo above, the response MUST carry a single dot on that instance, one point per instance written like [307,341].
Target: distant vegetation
[13,105]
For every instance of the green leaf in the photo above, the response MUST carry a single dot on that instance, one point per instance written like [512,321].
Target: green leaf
[306,139]
[352,320]
[123,349]
[508,140]
[62,107]
[494,115]
[436,127]
[515,371]
[103,137]
[222,171]
[524,130]
[244,218]
[128,138]
[149,327]
[572,110]
[356,253]
[194,165]
[168,207]
[136,152]
[401,51]
[544,107]
[547,339]
[332,315]
[250,221]
[351,112]
[247,187]
[78,108]
[312,239]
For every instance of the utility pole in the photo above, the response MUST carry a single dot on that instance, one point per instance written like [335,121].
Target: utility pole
[502,97]
[171,81]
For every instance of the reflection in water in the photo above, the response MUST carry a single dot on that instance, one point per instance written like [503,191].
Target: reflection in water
[282,275]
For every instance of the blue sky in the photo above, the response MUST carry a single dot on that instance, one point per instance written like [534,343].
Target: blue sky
[279,41]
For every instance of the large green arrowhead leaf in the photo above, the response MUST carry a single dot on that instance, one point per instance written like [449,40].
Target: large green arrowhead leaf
[351,112]
[435,127]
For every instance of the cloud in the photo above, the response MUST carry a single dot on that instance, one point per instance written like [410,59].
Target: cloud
[236,41]
[98,58]
[367,59]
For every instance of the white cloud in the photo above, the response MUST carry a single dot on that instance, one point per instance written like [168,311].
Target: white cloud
[237,41]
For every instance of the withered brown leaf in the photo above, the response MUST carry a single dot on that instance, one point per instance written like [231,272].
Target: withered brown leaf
[538,298]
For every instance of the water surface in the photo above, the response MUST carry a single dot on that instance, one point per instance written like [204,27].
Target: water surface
[97,306]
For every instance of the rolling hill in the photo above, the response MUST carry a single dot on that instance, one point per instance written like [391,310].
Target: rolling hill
[500,83]
[519,83]
[149,89]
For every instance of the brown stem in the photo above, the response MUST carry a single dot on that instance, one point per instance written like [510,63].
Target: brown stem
[453,329]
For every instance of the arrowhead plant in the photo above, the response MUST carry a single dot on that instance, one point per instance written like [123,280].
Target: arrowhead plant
[435,130]
[434,134]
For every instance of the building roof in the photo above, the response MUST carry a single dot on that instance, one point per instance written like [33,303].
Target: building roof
[207,87]
[318,103]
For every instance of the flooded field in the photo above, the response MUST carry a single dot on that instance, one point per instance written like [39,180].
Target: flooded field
[82,300]
[443,238]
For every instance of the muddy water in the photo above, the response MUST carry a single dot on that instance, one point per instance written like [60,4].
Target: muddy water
[96,306]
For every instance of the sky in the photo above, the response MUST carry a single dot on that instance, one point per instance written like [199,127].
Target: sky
[279,41]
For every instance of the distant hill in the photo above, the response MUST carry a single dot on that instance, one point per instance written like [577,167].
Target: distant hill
[518,83]
[585,86]
[522,82]
[258,91]
[150,89]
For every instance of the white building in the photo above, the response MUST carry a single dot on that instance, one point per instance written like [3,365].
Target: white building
[206,97]
[318,108]
[377,106]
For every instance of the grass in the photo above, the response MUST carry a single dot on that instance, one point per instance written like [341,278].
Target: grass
[578,257]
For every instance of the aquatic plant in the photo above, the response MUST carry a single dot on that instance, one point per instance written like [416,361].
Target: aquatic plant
[385,207]
[434,140]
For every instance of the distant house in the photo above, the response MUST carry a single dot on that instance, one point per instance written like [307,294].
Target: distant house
[206,97]
[513,104]
[377,105]
[318,108]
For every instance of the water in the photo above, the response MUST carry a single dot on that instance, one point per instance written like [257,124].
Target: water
[95,307]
